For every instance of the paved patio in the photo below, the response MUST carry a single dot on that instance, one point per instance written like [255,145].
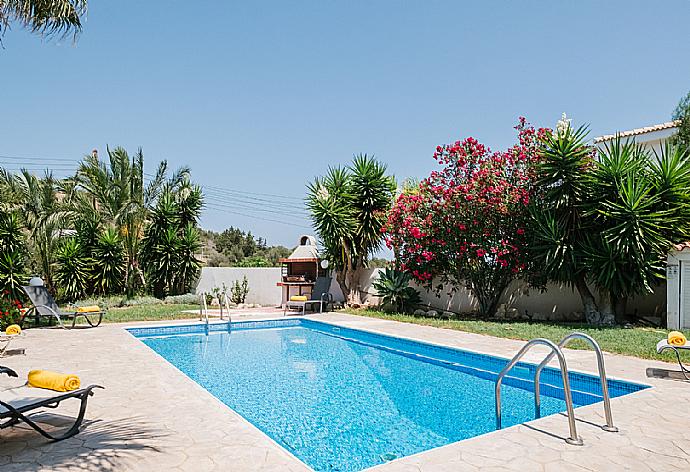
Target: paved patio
[152,417]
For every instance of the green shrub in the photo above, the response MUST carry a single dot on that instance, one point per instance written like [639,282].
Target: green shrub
[393,286]
[239,291]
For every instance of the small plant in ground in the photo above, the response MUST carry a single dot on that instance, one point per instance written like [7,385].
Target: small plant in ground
[393,286]
[239,291]
[10,310]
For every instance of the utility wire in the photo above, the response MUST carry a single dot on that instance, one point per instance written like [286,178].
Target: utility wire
[257,217]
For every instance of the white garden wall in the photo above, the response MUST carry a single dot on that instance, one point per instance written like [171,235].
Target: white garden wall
[262,283]
[558,302]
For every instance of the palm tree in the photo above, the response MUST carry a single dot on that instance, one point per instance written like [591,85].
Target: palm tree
[348,209]
[48,18]
[44,216]
[116,189]
[607,223]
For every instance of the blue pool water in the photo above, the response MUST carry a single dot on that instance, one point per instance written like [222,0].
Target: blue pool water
[343,399]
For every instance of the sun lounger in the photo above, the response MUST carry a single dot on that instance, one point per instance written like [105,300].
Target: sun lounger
[320,296]
[5,341]
[44,306]
[17,403]
[662,345]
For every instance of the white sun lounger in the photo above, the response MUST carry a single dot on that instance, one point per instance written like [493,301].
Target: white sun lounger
[662,345]
[6,340]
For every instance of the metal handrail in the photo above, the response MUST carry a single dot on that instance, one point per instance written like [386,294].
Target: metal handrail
[602,377]
[574,439]
[203,309]
[227,307]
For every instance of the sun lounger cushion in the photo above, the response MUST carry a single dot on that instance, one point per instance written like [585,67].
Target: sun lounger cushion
[298,298]
[88,309]
[663,344]
[22,396]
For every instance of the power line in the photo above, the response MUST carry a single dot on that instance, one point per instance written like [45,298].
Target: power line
[229,190]
[258,217]
[232,205]
[26,158]
[255,201]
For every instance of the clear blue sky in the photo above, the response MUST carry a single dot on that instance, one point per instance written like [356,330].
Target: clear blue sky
[262,96]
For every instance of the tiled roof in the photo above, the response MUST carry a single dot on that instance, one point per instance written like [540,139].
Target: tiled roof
[638,131]
[681,246]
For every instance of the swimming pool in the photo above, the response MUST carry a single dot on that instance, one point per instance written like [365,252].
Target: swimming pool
[345,399]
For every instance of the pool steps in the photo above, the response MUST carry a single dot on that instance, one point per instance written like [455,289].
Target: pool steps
[556,350]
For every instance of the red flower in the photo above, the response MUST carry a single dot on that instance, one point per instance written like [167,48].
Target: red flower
[520,231]
[481,253]
[416,232]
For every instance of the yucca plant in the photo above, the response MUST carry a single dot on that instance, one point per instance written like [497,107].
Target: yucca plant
[13,273]
[393,287]
[73,270]
[108,263]
[348,209]
[188,266]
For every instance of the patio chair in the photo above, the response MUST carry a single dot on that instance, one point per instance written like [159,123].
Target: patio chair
[6,340]
[320,295]
[662,345]
[16,403]
[44,306]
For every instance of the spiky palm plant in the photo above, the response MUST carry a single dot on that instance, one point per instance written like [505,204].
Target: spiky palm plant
[43,215]
[48,18]
[72,270]
[119,193]
[13,273]
[561,223]
[393,287]
[108,262]
[348,209]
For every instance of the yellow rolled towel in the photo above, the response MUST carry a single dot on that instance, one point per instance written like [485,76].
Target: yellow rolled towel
[53,380]
[298,298]
[676,338]
[89,309]
[12,330]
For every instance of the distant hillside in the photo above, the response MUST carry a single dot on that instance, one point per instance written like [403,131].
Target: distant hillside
[234,247]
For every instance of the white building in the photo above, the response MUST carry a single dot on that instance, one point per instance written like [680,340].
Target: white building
[652,137]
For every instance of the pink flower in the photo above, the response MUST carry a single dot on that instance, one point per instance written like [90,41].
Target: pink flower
[416,232]
[481,253]
[520,231]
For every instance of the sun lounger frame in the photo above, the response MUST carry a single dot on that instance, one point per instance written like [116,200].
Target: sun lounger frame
[17,415]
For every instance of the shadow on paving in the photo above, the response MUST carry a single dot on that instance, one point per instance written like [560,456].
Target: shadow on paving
[100,445]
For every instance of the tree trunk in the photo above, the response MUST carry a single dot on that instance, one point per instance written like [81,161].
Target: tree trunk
[489,300]
[593,314]
[620,306]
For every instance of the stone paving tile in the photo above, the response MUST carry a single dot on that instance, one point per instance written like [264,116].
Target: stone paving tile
[151,417]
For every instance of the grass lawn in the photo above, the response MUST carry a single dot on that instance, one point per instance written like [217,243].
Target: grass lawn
[637,341]
[149,313]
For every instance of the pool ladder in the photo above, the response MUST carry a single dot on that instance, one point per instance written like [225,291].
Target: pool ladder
[203,309]
[556,350]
